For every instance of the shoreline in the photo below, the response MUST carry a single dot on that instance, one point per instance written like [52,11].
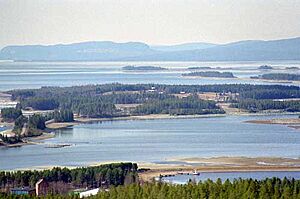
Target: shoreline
[217,165]
[245,79]
[81,120]
[291,123]
[282,121]
[31,140]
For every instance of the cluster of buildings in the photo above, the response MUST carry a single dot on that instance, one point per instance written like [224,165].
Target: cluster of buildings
[43,188]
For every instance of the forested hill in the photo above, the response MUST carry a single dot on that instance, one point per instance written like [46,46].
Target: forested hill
[101,100]
[285,49]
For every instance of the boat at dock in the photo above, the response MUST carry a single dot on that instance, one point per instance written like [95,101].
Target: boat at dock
[196,173]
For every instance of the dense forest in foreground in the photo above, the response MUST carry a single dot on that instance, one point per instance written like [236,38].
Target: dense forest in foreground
[110,174]
[238,189]
[101,100]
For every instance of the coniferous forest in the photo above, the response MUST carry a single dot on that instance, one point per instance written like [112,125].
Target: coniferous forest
[101,100]
[237,189]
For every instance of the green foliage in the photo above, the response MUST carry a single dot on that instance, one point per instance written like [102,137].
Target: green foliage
[279,76]
[9,114]
[36,122]
[177,106]
[19,123]
[110,174]
[63,116]
[210,74]
[258,105]
[238,189]
[40,103]
[11,140]
[100,100]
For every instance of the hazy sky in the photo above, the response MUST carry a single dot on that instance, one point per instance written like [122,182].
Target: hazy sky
[150,21]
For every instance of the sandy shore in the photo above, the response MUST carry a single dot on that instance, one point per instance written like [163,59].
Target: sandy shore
[218,164]
[290,122]
[80,120]
[214,164]
[284,121]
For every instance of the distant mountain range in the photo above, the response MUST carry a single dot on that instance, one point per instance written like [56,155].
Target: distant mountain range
[285,49]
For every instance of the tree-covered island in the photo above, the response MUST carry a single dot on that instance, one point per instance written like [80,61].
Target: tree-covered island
[108,101]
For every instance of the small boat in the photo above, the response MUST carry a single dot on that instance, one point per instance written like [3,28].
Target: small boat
[196,173]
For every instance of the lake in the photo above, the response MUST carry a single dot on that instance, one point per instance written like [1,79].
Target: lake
[16,75]
[258,175]
[158,140]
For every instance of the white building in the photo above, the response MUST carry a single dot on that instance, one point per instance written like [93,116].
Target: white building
[88,193]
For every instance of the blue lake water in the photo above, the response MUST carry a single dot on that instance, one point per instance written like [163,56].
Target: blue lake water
[258,175]
[15,75]
[158,140]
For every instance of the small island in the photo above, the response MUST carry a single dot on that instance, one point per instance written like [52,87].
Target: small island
[292,68]
[143,68]
[210,74]
[265,67]
[278,76]
[199,68]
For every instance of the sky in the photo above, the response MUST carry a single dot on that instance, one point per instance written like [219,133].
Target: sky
[151,21]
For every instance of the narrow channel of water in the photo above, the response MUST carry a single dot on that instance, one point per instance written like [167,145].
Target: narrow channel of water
[258,175]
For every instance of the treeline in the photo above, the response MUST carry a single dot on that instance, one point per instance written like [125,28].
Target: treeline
[64,115]
[185,106]
[93,90]
[41,103]
[10,114]
[279,76]
[273,93]
[100,100]
[237,189]
[258,105]
[109,174]
[210,74]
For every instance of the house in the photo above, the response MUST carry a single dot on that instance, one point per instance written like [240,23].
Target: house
[41,187]
[23,191]
[88,193]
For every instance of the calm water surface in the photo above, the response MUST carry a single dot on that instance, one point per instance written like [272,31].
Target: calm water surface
[16,75]
[158,140]
[258,175]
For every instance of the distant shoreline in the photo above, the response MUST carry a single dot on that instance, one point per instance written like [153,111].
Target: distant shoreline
[244,78]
